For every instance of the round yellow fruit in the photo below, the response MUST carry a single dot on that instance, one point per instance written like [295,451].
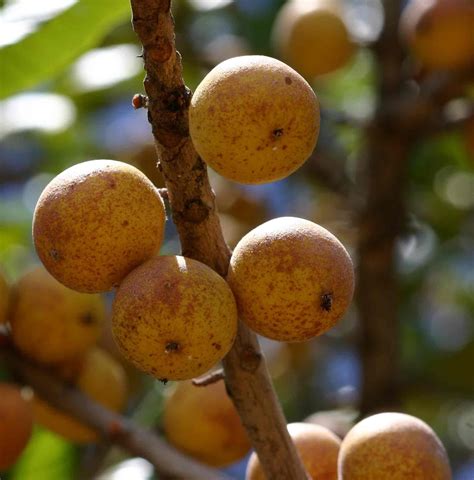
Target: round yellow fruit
[292,279]
[203,423]
[16,423]
[51,323]
[4,298]
[317,446]
[311,36]
[174,318]
[253,119]
[97,221]
[103,379]
[392,446]
[439,32]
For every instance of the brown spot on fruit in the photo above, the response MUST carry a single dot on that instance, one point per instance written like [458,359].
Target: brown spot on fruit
[326,302]
[172,347]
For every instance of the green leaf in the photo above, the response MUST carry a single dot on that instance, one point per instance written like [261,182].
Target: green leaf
[46,457]
[57,43]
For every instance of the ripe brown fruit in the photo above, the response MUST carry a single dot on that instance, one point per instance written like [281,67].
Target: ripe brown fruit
[174,318]
[439,32]
[311,36]
[103,379]
[292,279]
[317,446]
[392,446]
[16,422]
[203,423]
[253,119]
[51,323]
[4,298]
[97,221]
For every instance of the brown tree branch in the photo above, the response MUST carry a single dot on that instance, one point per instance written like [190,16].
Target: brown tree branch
[112,426]
[194,213]
[380,222]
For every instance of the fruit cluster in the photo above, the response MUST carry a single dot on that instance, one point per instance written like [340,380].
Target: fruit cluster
[99,225]
[386,446]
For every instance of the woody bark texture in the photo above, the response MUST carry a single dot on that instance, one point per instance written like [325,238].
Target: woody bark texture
[194,213]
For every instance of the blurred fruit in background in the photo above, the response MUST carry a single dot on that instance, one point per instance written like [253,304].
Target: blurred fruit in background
[202,422]
[439,32]
[312,37]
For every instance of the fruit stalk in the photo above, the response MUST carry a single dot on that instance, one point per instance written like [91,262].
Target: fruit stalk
[194,213]
[114,427]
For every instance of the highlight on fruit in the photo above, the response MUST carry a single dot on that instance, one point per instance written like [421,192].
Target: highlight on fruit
[174,318]
[392,446]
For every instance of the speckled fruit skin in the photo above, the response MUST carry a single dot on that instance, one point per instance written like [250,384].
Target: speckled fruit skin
[317,446]
[203,423]
[392,446]
[97,221]
[174,318]
[292,279]
[104,380]
[51,323]
[254,120]
[4,298]
[439,32]
[312,37]
[16,423]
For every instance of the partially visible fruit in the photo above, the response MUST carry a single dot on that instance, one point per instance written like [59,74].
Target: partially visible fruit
[254,119]
[312,37]
[97,221]
[16,423]
[51,323]
[103,379]
[439,32]
[317,446]
[174,318]
[203,423]
[4,298]
[392,446]
[292,279]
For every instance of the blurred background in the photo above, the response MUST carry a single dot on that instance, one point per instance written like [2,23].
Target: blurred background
[68,72]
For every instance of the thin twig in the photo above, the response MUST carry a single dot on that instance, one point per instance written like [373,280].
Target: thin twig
[209,379]
[112,427]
